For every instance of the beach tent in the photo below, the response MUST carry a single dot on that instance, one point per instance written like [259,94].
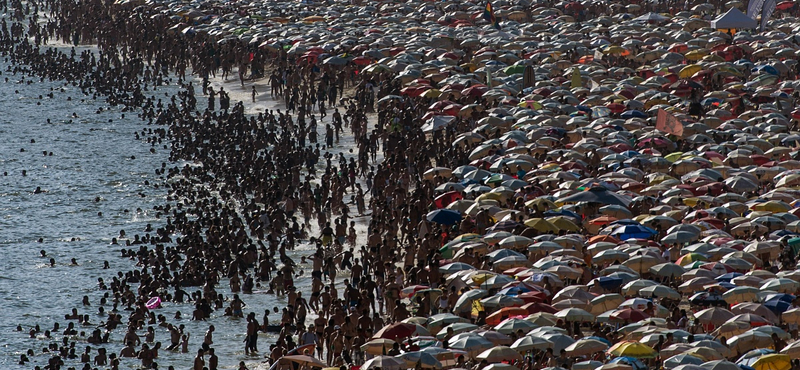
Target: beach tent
[733,19]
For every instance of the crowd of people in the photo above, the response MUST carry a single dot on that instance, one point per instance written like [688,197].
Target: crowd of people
[263,188]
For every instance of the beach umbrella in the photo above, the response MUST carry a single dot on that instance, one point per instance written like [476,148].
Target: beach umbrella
[585,347]
[632,349]
[748,358]
[616,366]
[634,286]
[499,354]
[304,360]
[706,353]
[571,303]
[498,316]
[636,303]
[732,328]
[773,361]
[545,246]
[791,316]
[679,237]
[749,340]
[531,342]
[605,282]
[586,365]
[501,366]
[714,316]
[411,290]
[457,328]
[674,349]
[660,291]
[616,210]
[599,195]
[472,344]
[772,329]
[689,258]
[626,232]
[542,318]
[610,255]
[777,306]
[516,242]
[628,315]
[448,357]
[670,270]
[452,268]
[682,359]
[565,271]
[465,300]
[642,262]
[499,300]
[782,285]
[443,319]
[378,346]
[753,319]
[396,331]
[502,253]
[792,350]
[740,294]
[720,365]
[715,345]
[606,302]
[512,325]
[444,216]
[574,314]
[541,225]
[560,341]
[384,363]
[422,359]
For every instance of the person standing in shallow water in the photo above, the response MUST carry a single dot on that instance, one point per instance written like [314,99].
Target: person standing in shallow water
[199,362]
[251,338]
[211,98]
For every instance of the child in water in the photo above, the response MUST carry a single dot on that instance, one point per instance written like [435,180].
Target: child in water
[185,343]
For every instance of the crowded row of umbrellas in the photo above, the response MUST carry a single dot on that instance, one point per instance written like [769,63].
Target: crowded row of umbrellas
[588,201]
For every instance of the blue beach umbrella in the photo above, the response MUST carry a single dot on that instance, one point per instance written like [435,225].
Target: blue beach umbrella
[444,216]
[777,306]
[633,231]
[728,277]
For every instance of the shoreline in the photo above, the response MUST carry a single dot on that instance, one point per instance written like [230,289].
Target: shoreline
[521,209]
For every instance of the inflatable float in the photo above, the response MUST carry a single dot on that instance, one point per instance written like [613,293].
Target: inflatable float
[153,303]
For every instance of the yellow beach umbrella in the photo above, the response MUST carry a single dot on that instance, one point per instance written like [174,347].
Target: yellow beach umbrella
[773,361]
[689,70]
[696,54]
[541,225]
[562,223]
[431,93]
[774,206]
[632,349]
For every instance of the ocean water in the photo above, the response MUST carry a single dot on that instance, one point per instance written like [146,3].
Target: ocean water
[94,185]
[99,180]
